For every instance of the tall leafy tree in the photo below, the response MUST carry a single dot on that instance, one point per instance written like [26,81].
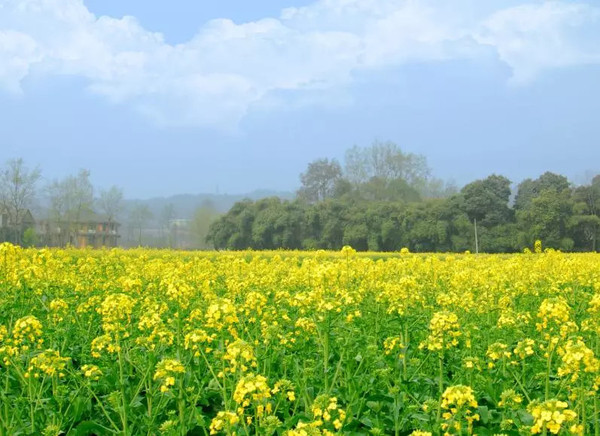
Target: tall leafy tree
[486,202]
[529,189]
[585,222]
[544,207]
[547,218]
[319,180]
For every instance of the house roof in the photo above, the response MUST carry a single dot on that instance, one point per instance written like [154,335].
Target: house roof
[27,217]
[91,217]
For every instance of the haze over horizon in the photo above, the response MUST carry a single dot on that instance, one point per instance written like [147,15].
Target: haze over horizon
[167,98]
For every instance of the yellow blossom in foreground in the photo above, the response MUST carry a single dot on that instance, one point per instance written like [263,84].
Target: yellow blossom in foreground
[510,399]
[444,331]
[577,358]
[166,370]
[326,409]
[252,389]
[27,332]
[550,415]
[239,355]
[458,403]
[391,345]
[48,362]
[223,421]
[91,371]
[524,348]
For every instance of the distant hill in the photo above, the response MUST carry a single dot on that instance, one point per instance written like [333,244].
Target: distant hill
[186,204]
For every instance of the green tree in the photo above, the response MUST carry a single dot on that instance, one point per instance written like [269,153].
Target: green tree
[529,189]
[585,222]
[234,229]
[486,202]
[319,180]
[547,218]
[585,228]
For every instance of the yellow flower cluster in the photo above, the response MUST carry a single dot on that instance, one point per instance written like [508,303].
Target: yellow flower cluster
[458,403]
[239,355]
[458,396]
[104,342]
[310,429]
[197,341]
[325,409]
[577,358]
[393,345]
[444,331]
[553,313]
[221,315]
[224,421]
[551,415]
[27,332]
[498,351]
[285,386]
[92,372]
[116,310]
[166,370]
[48,362]
[154,330]
[524,348]
[59,308]
[510,399]
[253,389]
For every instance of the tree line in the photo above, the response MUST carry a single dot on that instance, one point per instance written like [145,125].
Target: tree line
[59,206]
[384,199]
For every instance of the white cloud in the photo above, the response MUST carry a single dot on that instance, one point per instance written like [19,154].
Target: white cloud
[534,37]
[17,52]
[215,78]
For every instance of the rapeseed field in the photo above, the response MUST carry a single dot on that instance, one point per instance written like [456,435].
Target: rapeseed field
[149,342]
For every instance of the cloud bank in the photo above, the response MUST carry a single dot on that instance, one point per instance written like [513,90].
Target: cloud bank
[215,78]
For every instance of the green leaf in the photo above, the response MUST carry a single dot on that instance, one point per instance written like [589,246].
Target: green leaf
[90,428]
[484,413]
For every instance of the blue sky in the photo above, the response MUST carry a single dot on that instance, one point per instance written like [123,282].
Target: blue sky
[186,96]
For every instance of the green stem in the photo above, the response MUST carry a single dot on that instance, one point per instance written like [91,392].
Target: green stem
[405,344]
[123,413]
[31,407]
[102,408]
[548,369]
[582,402]
[596,426]
[181,405]
[326,356]
[440,383]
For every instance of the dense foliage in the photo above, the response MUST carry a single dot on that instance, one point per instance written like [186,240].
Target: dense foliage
[380,215]
[298,343]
